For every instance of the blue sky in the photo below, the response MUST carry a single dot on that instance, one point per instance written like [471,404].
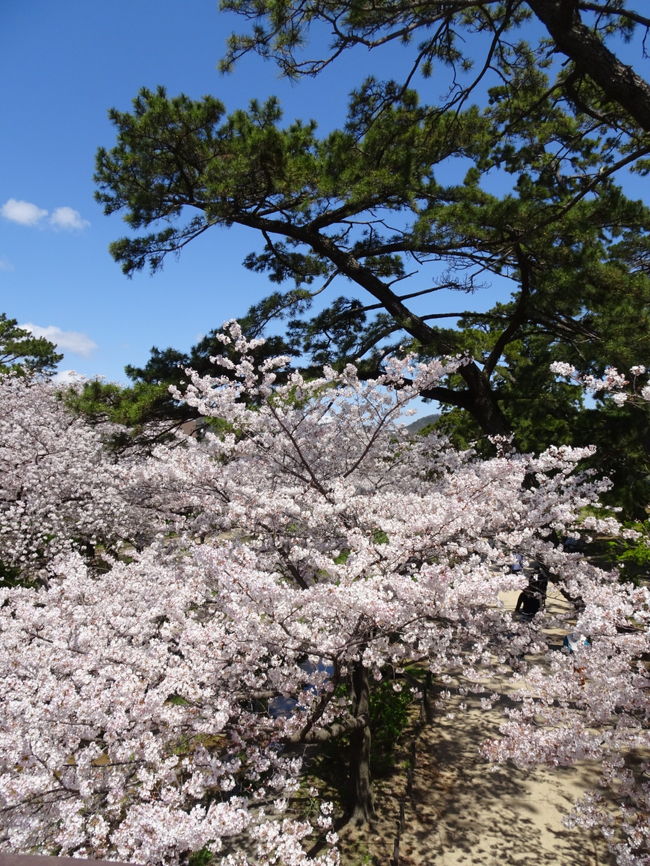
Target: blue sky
[63,65]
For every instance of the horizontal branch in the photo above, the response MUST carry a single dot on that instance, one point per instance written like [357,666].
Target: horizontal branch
[330,732]
[620,13]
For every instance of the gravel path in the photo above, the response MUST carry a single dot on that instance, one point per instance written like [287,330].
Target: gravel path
[455,809]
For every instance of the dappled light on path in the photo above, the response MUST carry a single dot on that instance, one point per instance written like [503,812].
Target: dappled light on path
[458,809]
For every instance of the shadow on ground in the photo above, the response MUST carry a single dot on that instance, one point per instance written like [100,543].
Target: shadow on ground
[459,810]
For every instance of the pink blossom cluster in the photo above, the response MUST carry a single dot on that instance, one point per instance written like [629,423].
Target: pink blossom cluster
[593,703]
[162,706]
[60,489]
[613,383]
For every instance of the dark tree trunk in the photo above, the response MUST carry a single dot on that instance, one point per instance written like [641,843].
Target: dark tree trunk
[592,58]
[362,805]
[428,703]
[481,402]
[478,398]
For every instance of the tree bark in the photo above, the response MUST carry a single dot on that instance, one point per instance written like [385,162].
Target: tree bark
[478,398]
[362,806]
[592,58]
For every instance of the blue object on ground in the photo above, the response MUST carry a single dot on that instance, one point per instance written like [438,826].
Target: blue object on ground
[574,641]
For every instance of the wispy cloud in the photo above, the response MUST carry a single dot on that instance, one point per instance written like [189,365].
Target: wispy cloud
[5,265]
[69,341]
[26,213]
[68,218]
[23,212]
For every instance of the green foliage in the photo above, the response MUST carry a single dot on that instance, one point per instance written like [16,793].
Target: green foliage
[177,152]
[177,700]
[379,199]
[131,406]
[175,156]
[200,858]
[630,556]
[149,400]
[472,40]
[389,717]
[542,411]
[23,353]
[11,576]
[622,438]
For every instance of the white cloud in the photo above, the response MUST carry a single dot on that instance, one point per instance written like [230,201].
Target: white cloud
[68,341]
[5,265]
[23,212]
[68,218]
[69,377]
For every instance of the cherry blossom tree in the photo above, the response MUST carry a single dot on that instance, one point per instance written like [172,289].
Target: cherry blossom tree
[163,707]
[62,489]
[57,488]
[593,703]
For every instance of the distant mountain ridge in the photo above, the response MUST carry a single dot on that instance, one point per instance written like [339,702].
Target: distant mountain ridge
[420,423]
